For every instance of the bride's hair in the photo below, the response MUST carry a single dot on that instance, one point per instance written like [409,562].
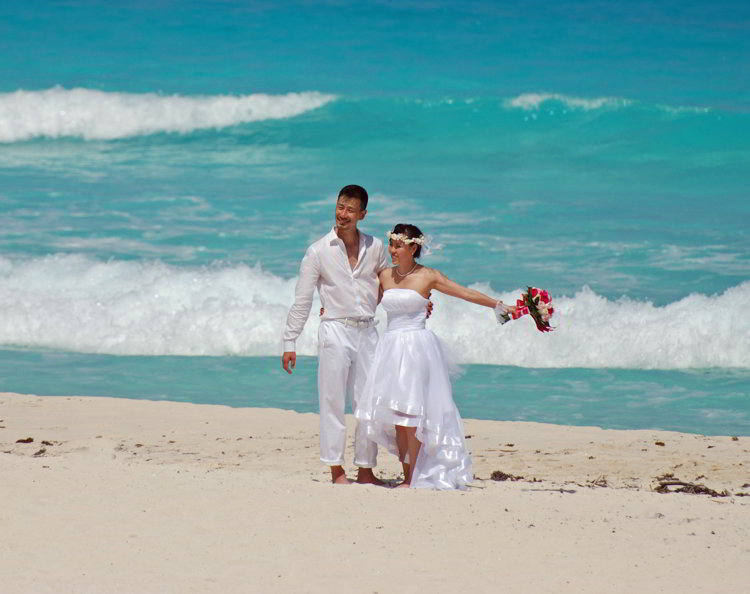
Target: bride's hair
[412,232]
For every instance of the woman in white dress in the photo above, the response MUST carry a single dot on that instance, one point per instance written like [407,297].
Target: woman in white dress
[407,403]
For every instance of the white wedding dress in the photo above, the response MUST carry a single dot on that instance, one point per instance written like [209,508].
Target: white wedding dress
[409,385]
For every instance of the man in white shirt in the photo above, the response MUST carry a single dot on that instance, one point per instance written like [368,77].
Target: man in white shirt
[343,265]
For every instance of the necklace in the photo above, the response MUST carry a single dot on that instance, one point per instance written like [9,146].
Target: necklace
[395,269]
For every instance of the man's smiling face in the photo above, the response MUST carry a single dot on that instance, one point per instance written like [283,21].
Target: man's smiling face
[348,213]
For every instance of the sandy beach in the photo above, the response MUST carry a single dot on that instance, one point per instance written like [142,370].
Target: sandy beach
[116,495]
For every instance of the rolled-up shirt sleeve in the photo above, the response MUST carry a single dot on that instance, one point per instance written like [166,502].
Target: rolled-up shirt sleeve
[383,258]
[309,273]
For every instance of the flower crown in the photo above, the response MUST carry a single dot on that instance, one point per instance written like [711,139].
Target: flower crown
[421,240]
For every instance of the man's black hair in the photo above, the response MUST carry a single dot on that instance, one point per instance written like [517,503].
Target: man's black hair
[357,192]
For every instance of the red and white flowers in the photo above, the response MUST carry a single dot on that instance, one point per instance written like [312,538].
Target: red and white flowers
[535,302]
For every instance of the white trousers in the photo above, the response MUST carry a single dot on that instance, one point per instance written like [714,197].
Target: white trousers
[345,354]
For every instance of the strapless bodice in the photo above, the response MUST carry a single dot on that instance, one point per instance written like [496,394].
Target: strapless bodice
[406,309]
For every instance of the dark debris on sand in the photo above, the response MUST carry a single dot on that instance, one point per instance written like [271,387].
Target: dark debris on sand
[499,475]
[668,483]
[598,482]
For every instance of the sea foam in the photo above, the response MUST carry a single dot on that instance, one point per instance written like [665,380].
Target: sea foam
[93,114]
[529,101]
[76,303]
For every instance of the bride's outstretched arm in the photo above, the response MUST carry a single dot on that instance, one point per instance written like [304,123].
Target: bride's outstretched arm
[442,283]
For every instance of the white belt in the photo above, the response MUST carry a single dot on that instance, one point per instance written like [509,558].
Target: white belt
[356,323]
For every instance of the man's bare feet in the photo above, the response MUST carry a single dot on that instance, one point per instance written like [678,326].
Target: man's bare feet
[365,476]
[338,476]
[403,486]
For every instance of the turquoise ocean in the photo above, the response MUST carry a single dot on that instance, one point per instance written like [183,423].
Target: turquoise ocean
[164,164]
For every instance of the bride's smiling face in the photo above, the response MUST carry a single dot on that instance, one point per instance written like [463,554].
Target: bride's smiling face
[401,252]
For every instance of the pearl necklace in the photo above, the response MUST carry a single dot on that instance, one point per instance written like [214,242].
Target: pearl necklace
[395,269]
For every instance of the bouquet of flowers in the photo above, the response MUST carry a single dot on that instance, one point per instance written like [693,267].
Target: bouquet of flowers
[536,303]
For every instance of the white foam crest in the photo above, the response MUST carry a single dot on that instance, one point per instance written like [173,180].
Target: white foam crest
[76,303]
[531,101]
[93,114]
[697,331]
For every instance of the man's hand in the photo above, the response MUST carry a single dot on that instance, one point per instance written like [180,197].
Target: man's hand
[429,305]
[288,361]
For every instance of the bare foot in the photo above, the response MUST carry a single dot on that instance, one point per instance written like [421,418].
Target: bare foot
[365,476]
[403,486]
[338,476]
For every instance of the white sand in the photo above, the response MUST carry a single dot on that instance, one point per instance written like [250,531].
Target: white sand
[138,496]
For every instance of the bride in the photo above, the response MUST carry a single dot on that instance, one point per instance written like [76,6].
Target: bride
[407,403]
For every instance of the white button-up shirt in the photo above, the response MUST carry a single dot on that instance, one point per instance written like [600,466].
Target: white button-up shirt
[344,293]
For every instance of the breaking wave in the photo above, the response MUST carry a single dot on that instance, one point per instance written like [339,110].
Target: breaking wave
[92,114]
[77,303]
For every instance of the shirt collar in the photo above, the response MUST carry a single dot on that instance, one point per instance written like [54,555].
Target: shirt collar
[333,237]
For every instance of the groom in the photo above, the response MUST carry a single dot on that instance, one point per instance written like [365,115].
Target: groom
[343,265]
